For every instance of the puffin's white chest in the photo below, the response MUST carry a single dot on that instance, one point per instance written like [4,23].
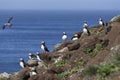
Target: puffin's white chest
[34,73]
[100,22]
[38,58]
[75,38]
[64,37]
[43,47]
[85,30]
[22,64]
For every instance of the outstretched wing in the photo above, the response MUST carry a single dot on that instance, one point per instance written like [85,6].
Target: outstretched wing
[3,27]
[10,19]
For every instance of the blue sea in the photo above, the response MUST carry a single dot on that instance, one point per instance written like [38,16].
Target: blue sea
[31,27]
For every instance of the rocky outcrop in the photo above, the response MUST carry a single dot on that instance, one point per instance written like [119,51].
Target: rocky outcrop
[115,19]
[70,59]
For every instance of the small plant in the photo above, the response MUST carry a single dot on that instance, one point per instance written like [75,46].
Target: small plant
[86,50]
[74,69]
[64,74]
[60,63]
[105,70]
[98,47]
[93,52]
[91,70]
[3,79]
[80,62]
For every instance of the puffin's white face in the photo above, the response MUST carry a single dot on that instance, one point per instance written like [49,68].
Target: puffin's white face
[100,19]
[64,33]
[37,53]
[76,35]
[30,54]
[42,42]
[21,59]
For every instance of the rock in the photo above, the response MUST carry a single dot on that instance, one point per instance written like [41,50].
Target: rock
[46,57]
[56,47]
[115,19]
[44,76]
[63,45]
[73,46]
[65,49]
[32,63]
[4,75]
[24,74]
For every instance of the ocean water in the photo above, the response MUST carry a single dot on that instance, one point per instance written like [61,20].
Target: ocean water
[32,27]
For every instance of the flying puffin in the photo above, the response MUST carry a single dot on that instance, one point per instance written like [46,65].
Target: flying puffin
[22,63]
[43,47]
[8,23]
[101,23]
[32,56]
[64,37]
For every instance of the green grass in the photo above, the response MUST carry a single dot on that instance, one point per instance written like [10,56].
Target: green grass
[95,51]
[80,62]
[91,70]
[105,70]
[60,63]
[3,79]
[64,74]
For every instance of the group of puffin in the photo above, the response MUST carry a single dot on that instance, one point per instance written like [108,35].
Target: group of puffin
[43,45]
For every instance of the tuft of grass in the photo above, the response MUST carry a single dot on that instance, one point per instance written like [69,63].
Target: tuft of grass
[98,47]
[86,50]
[3,79]
[64,74]
[105,70]
[80,62]
[94,52]
[60,63]
[91,70]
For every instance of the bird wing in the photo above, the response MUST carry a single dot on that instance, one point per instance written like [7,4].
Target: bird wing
[46,49]
[10,19]
[3,27]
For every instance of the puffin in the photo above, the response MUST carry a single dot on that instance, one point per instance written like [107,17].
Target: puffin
[101,23]
[8,24]
[38,57]
[64,37]
[33,71]
[43,47]
[86,31]
[32,56]
[22,63]
[75,37]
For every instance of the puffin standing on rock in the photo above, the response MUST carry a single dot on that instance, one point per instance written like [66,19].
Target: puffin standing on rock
[86,31]
[75,37]
[101,23]
[7,24]
[38,57]
[43,47]
[64,37]
[33,71]
[22,63]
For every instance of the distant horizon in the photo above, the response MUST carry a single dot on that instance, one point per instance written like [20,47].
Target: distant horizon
[55,10]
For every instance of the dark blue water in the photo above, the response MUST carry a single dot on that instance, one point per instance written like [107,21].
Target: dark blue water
[32,27]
